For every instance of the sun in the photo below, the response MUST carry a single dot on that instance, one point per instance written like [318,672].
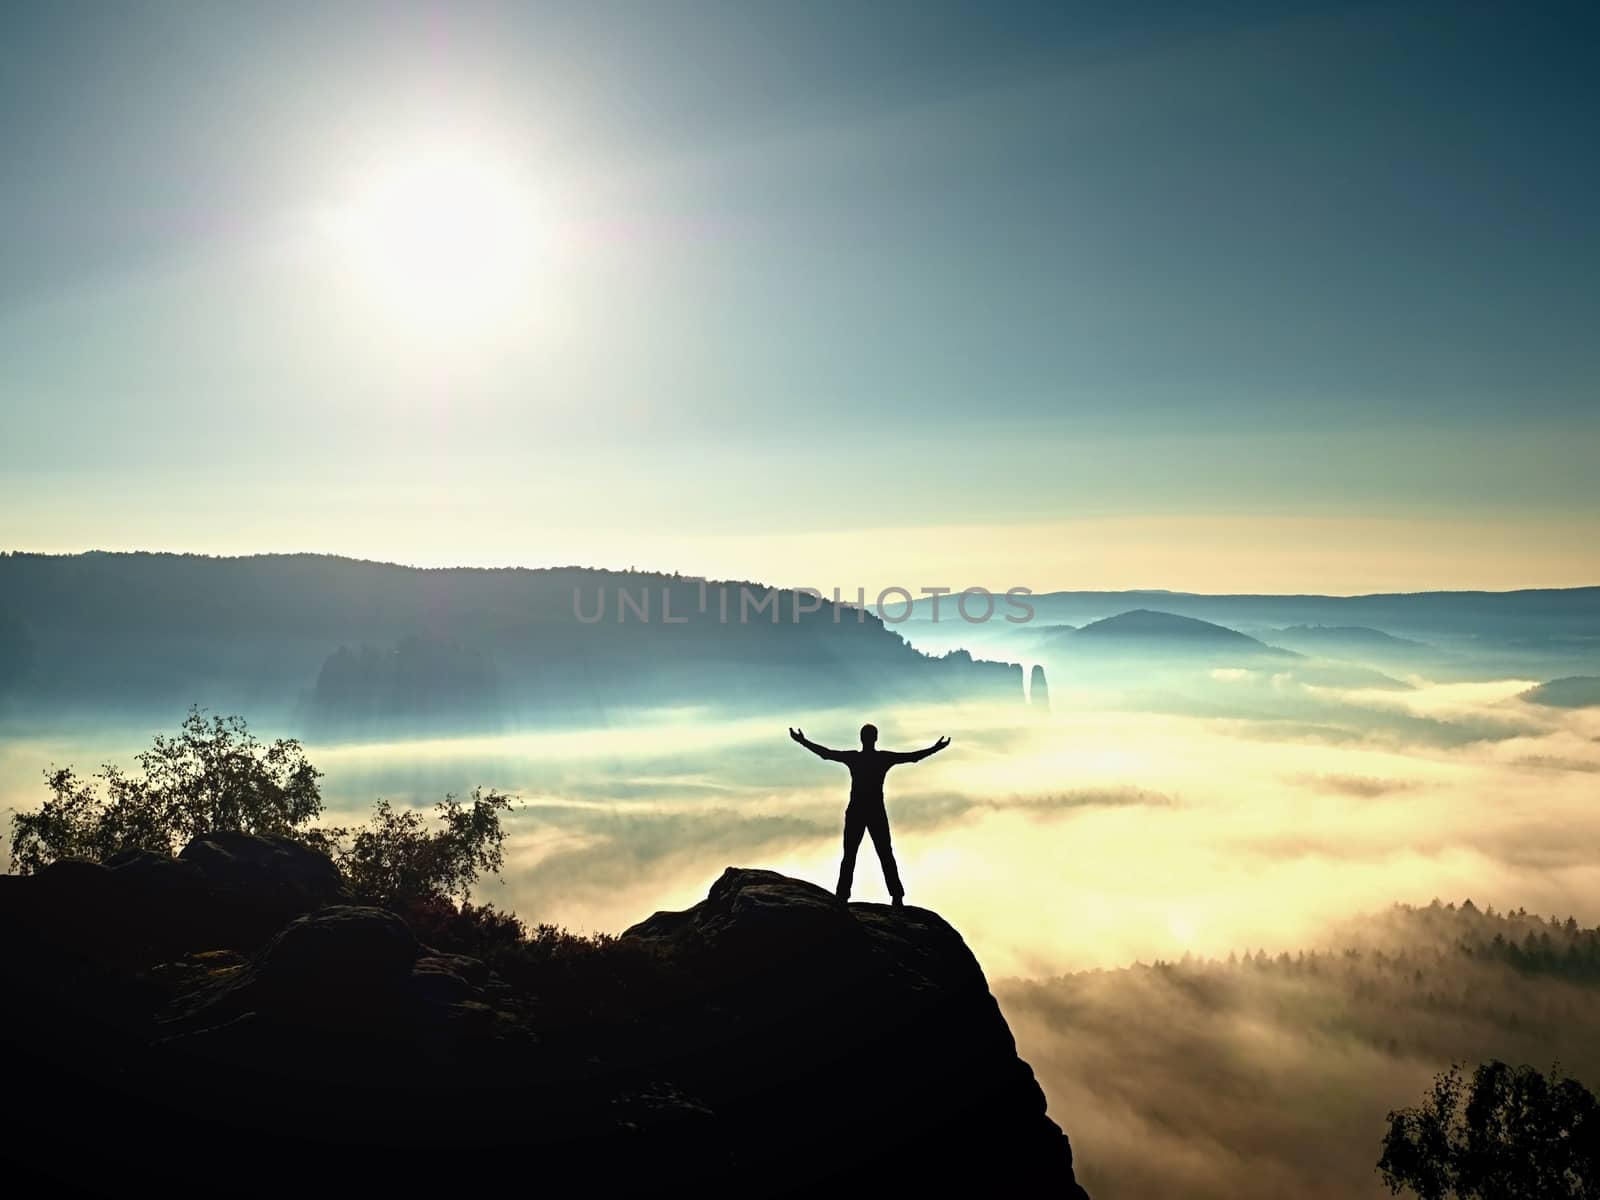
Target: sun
[445,237]
[1182,927]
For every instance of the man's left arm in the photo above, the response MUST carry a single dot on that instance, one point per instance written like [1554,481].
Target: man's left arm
[911,756]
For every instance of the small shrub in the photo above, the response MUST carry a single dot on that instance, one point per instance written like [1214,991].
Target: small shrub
[398,862]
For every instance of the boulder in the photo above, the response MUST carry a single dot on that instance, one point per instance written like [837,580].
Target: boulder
[341,955]
[869,1028]
[259,882]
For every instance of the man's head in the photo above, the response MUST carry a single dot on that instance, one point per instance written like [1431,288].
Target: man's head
[869,736]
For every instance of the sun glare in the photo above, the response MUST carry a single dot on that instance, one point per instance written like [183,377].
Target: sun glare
[446,237]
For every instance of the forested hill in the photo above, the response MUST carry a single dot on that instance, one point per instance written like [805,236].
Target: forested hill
[353,644]
[1268,1071]
[314,593]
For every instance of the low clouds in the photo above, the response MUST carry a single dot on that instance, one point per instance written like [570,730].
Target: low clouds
[1266,1077]
[1093,837]
[1248,813]
[1362,786]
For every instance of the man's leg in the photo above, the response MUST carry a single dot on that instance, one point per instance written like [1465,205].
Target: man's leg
[854,827]
[878,827]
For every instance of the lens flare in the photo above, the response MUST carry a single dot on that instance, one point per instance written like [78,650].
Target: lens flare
[445,238]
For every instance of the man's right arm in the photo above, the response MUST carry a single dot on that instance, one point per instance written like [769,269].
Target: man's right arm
[819,751]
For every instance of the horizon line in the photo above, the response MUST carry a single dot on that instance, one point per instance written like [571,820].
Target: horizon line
[920,599]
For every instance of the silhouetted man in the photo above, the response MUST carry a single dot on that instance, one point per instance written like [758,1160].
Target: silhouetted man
[865,812]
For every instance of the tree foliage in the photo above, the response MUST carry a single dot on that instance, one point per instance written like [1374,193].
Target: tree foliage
[213,775]
[397,861]
[1513,1134]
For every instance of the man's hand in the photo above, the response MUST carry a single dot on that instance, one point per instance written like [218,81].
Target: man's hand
[798,735]
[940,744]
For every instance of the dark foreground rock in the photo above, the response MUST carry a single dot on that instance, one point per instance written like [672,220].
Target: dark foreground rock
[766,1040]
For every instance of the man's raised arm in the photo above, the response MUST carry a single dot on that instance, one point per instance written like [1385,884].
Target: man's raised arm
[905,756]
[820,751]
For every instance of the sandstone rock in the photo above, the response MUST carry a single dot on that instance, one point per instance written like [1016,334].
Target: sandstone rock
[871,1028]
[260,882]
[767,1038]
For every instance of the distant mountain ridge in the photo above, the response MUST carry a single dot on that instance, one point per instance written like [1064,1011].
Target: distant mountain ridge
[353,647]
[1402,613]
[1149,631]
[1150,623]
[1531,633]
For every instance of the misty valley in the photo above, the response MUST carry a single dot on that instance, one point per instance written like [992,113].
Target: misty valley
[1173,828]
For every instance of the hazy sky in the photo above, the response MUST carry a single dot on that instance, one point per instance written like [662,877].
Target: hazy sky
[1273,296]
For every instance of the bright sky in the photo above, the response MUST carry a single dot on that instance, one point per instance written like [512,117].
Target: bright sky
[1273,296]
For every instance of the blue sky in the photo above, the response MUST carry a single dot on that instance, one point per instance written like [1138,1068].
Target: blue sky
[1280,296]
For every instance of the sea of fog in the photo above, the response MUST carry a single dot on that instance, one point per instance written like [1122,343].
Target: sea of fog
[1257,813]
[1092,835]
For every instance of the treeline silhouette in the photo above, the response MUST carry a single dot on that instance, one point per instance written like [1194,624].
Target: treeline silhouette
[1182,1069]
[1427,940]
